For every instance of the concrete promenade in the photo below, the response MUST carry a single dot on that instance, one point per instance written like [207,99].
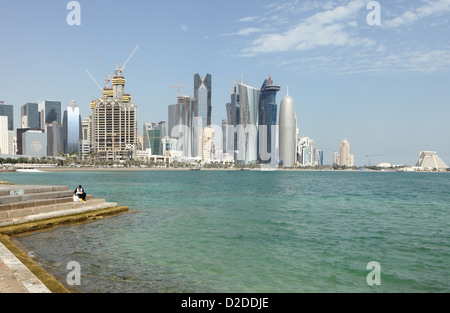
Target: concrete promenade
[26,208]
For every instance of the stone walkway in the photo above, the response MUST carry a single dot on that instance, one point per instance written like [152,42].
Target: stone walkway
[16,277]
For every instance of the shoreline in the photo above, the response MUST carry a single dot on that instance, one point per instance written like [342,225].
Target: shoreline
[112,169]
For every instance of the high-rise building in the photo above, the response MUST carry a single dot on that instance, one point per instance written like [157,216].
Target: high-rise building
[152,135]
[202,110]
[50,111]
[30,117]
[208,144]
[114,123]
[229,126]
[334,158]
[267,118]
[7,111]
[248,127]
[72,132]
[345,158]
[202,98]
[288,131]
[55,139]
[235,103]
[86,129]
[172,118]
[181,117]
[320,157]
[305,152]
[4,149]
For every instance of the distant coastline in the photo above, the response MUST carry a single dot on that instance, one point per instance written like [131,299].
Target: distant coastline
[109,169]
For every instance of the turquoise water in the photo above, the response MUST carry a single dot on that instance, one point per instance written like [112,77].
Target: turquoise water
[233,231]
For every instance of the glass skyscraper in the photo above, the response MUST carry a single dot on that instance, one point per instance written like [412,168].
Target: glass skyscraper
[30,116]
[267,117]
[8,111]
[248,128]
[202,97]
[202,110]
[54,139]
[50,112]
[181,122]
[72,128]
[152,136]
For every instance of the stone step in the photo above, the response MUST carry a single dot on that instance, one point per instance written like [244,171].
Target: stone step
[36,203]
[35,196]
[8,190]
[18,213]
[78,208]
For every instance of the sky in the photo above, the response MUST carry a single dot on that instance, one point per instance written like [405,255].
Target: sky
[382,86]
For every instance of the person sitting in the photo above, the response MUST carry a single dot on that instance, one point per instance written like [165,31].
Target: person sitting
[79,192]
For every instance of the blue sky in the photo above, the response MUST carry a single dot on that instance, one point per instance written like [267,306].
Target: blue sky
[385,88]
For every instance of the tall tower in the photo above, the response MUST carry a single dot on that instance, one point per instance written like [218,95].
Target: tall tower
[345,158]
[248,128]
[114,123]
[72,132]
[202,97]
[288,131]
[50,112]
[267,118]
[30,116]
[7,111]
[202,110]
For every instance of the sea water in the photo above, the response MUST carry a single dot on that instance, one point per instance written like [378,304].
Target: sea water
[254,232]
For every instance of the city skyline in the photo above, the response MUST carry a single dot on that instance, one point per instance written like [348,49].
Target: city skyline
[378,86]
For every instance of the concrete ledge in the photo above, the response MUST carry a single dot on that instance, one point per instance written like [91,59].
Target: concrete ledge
[5,190]
[17,213]
[49,220]
[38,203]
[35,196]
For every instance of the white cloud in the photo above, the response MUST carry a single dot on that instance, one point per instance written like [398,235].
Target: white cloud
[325,28]
[184,28]
[411,16]
[245,31]
[247,19]
[427,61]
[422,61]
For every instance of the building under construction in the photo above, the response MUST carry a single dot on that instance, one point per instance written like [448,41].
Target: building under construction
[114,123]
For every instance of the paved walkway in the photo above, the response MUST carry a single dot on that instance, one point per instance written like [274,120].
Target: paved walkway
[16,277]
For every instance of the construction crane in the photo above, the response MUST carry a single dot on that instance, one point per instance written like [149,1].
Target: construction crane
[93,79]
[178,87]
[121,69]
[370,156]
[107,76]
